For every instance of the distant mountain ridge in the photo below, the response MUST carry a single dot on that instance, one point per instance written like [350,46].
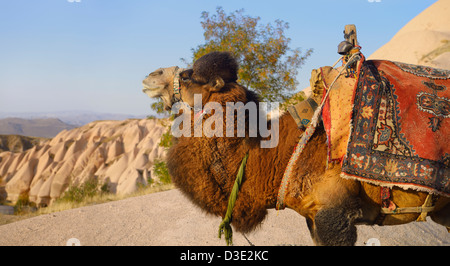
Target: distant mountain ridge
[40,127]
[75,117]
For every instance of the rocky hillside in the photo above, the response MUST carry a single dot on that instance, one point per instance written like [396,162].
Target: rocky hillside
[17,143]
[425,40]
[118,153]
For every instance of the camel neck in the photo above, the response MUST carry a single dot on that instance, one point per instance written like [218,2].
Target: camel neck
[269,164]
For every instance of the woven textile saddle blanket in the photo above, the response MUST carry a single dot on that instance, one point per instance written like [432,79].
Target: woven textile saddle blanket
[400,127]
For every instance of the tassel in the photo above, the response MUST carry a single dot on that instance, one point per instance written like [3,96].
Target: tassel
[225,228]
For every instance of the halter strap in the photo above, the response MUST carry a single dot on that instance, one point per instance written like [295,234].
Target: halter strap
[176,85]
[357,57]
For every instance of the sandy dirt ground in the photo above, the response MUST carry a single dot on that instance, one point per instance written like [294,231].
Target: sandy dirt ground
[169,219]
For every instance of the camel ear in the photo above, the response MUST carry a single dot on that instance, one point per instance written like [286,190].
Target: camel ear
[186,75]
[216,84]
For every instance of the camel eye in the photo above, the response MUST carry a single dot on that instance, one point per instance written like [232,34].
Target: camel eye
[156,73]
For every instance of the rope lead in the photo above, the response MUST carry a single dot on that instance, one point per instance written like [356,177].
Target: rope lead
[225,227]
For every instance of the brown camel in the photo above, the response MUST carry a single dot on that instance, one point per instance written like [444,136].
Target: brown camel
[205,168]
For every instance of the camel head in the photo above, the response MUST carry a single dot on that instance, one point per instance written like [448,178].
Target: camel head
[160,83]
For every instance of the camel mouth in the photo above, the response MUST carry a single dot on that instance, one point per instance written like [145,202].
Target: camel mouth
[155,92]
[151,92]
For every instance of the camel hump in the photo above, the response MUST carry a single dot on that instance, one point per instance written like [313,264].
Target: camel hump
[215,64]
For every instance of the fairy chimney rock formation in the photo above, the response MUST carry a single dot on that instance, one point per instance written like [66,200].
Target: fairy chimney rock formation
[425,40]
[118,153]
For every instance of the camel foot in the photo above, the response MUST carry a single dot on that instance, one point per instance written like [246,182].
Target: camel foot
[335,226]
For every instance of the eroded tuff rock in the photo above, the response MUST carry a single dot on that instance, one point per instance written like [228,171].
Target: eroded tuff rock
[425,40]
[118,153]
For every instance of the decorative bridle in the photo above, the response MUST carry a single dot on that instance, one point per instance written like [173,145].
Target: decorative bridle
[177,94]
[176,85]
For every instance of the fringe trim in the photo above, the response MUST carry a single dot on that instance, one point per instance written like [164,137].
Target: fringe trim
[391,185]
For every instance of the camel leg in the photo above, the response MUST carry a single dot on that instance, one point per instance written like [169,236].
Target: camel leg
[334,208]
[335,226]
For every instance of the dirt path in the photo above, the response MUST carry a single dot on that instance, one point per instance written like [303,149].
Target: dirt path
[168,218]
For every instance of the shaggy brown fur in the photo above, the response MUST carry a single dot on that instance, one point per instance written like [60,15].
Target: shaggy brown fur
[222,64]
[194,162]
[205,169]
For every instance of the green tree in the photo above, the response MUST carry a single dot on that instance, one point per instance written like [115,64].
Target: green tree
[267,64]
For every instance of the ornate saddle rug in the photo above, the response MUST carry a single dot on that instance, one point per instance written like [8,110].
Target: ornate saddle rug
[400,132]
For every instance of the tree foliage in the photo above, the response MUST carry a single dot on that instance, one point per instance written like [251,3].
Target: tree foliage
[267,64]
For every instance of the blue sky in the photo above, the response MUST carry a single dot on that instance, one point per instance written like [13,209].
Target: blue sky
[57,55]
